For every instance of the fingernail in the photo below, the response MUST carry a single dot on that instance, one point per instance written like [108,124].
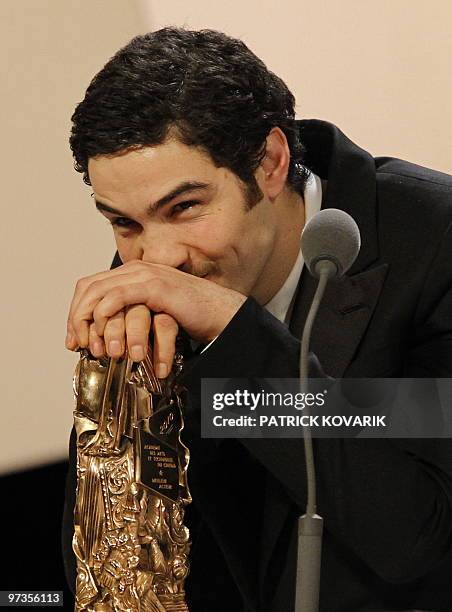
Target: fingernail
[98,349]
[69,340]
[161,370]
[137,352]
[114,348]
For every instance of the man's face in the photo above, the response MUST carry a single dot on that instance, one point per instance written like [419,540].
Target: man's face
[169,204]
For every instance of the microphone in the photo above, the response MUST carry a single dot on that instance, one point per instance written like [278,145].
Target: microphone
[330,243]
[331,235]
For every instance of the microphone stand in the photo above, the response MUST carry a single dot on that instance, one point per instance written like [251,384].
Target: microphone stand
[310,524]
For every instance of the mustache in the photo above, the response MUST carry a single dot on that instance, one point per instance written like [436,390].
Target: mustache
[199,269]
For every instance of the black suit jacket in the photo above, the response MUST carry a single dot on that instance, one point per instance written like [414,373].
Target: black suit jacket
[387,504]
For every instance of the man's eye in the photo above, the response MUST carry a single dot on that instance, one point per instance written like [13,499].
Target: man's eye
[183,206]
[122,222]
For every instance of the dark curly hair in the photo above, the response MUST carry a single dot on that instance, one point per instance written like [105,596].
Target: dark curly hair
[207,88]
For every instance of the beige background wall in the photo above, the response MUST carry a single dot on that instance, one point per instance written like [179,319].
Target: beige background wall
[49,231]
[381,72]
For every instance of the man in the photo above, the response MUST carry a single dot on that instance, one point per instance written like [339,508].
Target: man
[194,156]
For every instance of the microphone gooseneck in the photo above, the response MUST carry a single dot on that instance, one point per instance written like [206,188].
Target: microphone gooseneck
[330,243]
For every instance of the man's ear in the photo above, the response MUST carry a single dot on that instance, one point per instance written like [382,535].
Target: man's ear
[275,163]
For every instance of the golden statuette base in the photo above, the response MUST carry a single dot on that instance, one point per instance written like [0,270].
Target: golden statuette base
[129,539]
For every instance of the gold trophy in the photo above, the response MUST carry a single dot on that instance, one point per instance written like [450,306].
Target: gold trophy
[130,540]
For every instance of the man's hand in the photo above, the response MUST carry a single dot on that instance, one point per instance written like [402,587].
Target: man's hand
[115,309]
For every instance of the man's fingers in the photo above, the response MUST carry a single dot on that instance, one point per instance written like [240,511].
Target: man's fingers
[165,332]
[114,333]
[81,333]
[138,325]
[83,285]
[96,343]
[71,339]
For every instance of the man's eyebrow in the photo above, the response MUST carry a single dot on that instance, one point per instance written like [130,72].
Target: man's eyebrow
[177,191]
[101,207]
[184,187]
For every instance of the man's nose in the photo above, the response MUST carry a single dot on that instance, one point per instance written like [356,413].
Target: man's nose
[162,247]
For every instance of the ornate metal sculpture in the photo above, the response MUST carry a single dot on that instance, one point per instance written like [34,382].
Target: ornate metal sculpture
[130,540]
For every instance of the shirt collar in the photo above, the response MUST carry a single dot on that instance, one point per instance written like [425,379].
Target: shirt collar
[280,303]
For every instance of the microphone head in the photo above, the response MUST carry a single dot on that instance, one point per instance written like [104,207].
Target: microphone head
[331,235]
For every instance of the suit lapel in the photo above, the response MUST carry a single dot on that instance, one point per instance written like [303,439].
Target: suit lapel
[351,176]
[349,303]
[343,316]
